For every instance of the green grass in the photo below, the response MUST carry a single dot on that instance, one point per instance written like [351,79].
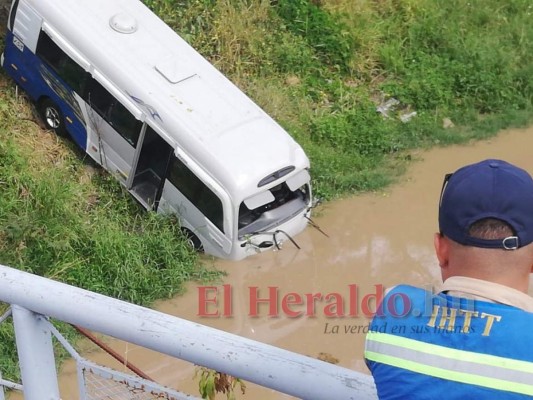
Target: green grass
[320,68]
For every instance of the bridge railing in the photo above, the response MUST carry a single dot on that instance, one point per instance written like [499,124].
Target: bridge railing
[33,299]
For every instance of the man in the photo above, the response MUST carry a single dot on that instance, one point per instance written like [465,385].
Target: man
[473,339]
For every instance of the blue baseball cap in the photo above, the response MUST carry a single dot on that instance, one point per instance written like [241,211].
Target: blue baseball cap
[487,189]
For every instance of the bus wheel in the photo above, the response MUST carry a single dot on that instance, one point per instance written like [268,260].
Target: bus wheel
[52,117]
[192,240]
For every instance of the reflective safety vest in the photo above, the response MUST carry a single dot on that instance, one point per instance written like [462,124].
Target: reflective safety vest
[422,345]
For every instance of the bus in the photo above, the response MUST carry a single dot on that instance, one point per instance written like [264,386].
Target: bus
[175,132]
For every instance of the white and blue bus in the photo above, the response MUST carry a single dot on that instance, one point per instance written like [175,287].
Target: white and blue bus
[152,111]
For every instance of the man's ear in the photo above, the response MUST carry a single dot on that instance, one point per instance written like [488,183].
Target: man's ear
[442,249]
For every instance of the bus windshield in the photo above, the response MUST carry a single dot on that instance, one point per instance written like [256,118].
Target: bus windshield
[285,205]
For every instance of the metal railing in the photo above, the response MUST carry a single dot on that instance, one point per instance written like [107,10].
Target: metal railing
[96,382]
[33,297]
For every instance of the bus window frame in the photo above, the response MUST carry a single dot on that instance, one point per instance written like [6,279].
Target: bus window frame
[12,15]
[46,45]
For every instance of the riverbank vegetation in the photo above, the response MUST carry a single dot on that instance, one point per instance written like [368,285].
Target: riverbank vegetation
[339,75]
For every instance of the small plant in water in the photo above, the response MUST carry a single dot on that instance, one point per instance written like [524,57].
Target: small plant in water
[213,382]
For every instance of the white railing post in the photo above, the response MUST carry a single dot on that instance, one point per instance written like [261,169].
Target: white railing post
[1,388]
[36,355]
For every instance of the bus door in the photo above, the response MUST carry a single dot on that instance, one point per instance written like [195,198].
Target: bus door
[113,130]
[152,164]
[25,23]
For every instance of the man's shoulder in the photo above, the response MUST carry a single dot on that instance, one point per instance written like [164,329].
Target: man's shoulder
[487,291]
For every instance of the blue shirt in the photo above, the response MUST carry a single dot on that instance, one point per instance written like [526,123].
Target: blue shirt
[426,346]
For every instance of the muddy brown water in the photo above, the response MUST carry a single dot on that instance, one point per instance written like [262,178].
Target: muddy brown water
[381,238]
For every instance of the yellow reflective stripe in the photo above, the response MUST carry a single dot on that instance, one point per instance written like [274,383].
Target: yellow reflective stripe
[442,351]
[491,383]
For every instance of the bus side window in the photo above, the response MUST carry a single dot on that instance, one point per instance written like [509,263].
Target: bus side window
[67,69]
[113,112]
[125,123]
[196,192]
[98,98]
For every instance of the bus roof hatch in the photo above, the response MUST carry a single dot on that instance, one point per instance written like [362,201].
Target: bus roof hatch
[174,70]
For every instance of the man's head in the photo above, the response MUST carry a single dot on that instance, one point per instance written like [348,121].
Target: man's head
[490,189]
[486,213]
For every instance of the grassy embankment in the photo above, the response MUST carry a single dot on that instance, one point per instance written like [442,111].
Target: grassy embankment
[320,68]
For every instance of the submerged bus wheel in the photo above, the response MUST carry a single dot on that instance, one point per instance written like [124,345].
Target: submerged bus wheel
[52,116]
[192,240]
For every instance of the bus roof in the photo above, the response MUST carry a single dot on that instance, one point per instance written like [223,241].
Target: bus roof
[197,107]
